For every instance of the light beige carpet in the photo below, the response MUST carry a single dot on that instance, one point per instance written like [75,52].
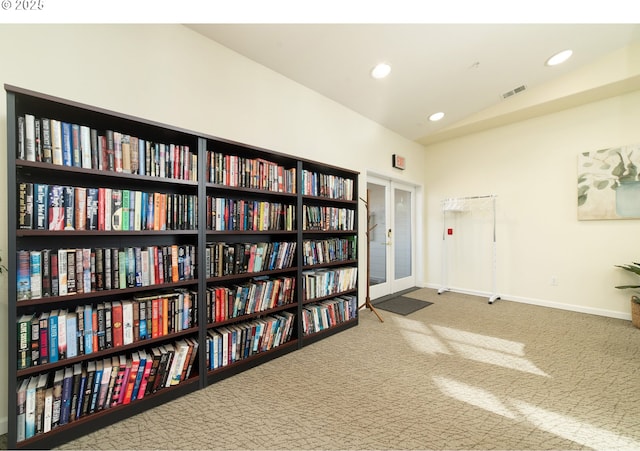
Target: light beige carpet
[461,374]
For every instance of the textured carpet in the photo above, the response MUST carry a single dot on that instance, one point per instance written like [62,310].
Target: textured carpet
[461,374]
[402,305]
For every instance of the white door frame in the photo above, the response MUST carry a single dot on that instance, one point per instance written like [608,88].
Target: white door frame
[392,285]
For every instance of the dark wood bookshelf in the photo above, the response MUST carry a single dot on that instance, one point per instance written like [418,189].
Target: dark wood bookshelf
[20,170]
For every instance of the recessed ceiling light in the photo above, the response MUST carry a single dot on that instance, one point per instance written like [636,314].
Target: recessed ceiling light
[381,70]
[559,58]
[436,116]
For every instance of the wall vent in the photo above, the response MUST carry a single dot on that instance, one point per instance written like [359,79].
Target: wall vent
[514,91]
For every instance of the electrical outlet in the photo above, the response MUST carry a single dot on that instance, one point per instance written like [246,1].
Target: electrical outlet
[554,281]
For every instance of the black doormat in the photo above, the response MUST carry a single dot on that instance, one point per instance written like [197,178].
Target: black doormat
[402,305]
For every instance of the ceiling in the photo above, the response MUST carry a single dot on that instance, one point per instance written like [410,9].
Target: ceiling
[459,69]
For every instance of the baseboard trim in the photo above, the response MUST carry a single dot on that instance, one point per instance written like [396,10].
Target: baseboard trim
[541,303]
[4,425]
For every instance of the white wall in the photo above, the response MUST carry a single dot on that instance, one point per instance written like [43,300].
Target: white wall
[170,74]
[532,167]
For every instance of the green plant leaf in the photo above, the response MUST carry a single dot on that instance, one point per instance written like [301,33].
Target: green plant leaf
[634,268]
[602,184]
[582,200]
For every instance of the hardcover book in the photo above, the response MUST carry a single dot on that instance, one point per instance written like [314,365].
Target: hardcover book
[35,274]
[24,341]
[40,206]
[76,150]
[56,207]
[53,336]
[58,380]
[47,156]
[67,149]
[25,206]
[21,399]
[56,141]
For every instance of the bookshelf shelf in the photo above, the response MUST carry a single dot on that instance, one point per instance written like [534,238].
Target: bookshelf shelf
[126,207]
[102,294]
[107,352]
[249,275]
[331,296]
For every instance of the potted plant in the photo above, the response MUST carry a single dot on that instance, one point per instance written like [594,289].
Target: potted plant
[635,300]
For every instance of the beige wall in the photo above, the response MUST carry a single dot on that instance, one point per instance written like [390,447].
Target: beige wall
[532,167]
[170,74]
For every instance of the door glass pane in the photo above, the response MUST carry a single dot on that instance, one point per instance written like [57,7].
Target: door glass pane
[378,236]
[402,233]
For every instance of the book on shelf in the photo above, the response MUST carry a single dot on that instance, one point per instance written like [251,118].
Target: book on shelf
[54,269]
[24,341]
[58,380]
[40,206]
[72,334]
[115,367]
[67,394]
[23,289]
[76,150]
[85,147]
[40,402]
[46,272]
[142,362]
[43,345]
[21,399]
[75,391]
[101,399]
[120,378]
[35,274]
[62,333]
[48,409]
[35,340]
[25,205]
[45,136]
[81,391]
[97,383]
[108,325]
[166,354]
[94,330]
[30,137]
[149,361]
[53,336]
[30,407]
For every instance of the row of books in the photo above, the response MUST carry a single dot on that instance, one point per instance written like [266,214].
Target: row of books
[255,173]
[326,314]
[69,144]
[229,344]
[316,252]
[327,218]
[224,259]
[253,215]
[258,295]
[51,400]
[322,282]
[60,334]
[61,272]
[57,207]
[326,185]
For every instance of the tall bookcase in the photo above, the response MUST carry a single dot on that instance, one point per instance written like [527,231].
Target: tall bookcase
[228,256]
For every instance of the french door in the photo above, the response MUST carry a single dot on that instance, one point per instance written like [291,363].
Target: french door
[392,233]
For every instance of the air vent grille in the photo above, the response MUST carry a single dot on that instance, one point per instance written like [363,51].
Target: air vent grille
[514,91]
